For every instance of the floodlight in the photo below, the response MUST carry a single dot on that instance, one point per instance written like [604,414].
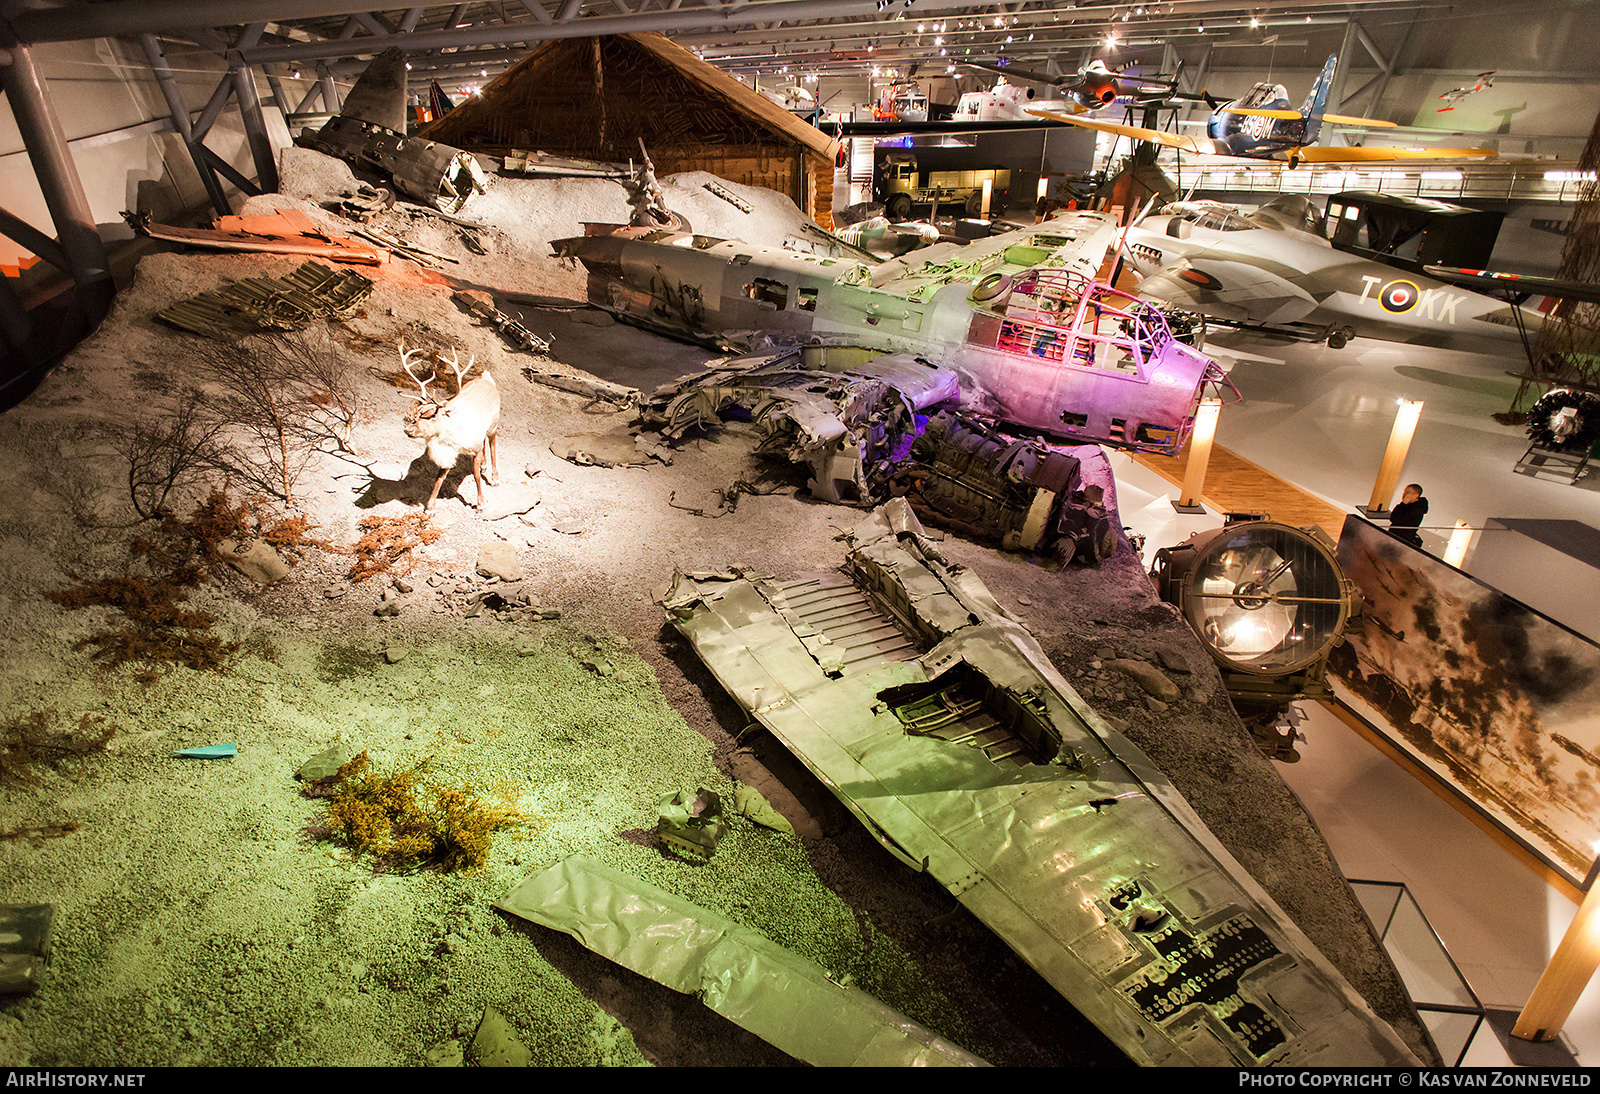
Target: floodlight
[1265,598]
[1269,603]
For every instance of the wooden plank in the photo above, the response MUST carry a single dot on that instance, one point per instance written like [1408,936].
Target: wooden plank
[1234,484]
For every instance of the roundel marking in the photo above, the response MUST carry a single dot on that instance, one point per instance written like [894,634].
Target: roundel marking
[1400,296]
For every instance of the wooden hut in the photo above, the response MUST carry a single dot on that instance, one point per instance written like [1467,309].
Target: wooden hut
[595,98]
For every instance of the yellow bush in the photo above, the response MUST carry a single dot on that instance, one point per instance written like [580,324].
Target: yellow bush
[406,825]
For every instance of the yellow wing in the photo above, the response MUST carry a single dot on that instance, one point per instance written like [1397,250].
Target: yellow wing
[1138,133]
[1368,123]
[1284,115]
[1317,153]
[1295,115]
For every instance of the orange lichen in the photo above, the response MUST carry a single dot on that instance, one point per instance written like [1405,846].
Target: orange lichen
[387,543]
[156,628]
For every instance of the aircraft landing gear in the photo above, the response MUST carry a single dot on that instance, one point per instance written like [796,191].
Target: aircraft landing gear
[1338,338]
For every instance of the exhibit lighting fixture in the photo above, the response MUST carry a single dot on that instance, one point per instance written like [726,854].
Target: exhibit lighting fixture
[1456,553]
[1194,476]
[1571,968]
[988,193]
[1394,457]
[1267,601]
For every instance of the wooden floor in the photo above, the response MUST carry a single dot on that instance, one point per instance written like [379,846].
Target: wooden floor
[1233,484]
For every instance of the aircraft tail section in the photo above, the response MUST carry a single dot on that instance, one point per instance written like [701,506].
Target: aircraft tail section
[1317,101]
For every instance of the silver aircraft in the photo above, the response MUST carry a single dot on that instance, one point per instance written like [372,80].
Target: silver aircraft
[1275,270]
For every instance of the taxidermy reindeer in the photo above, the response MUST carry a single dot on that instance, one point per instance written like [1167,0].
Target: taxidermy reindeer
[467,423]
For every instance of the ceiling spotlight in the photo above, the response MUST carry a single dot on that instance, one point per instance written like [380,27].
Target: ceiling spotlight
[1254,22]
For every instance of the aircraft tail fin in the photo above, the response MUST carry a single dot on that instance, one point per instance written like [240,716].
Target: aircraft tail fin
[1317,101]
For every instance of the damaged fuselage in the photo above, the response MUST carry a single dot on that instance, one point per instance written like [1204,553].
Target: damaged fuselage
[1036,341]
[934,716]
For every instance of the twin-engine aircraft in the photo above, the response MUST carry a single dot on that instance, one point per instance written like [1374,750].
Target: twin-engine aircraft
[1274,270]
[1262,125]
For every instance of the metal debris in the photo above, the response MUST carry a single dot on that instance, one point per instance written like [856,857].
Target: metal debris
[313,291]
[24,945]
[438,174]
[544,165]
[287,231]
[730,197]
[692,822]
[362,203]
[848,424]
[1019,493]
[480,304]
[420,255]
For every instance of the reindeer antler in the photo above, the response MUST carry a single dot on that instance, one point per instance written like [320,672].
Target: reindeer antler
[405,363]
[455,363]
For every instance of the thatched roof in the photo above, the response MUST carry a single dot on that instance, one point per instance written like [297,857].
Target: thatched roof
[597,97]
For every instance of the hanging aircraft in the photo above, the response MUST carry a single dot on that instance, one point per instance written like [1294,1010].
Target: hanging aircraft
[1456,94]
[794,98]
[902,101]
[1274,270]
[1004,102]
[1097,85]
[1262,125]
[1035,339]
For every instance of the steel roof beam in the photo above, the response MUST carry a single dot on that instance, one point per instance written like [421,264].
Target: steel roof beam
[131,17]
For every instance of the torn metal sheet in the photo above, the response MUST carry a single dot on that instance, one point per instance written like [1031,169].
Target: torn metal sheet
[267,303]
[729,196]
[847,424]
[285,232]
[742,975]
[544,165]
[935,717]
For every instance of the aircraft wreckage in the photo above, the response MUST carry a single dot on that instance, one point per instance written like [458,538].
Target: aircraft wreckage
[935,717]
[1036,341]
[862,433]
